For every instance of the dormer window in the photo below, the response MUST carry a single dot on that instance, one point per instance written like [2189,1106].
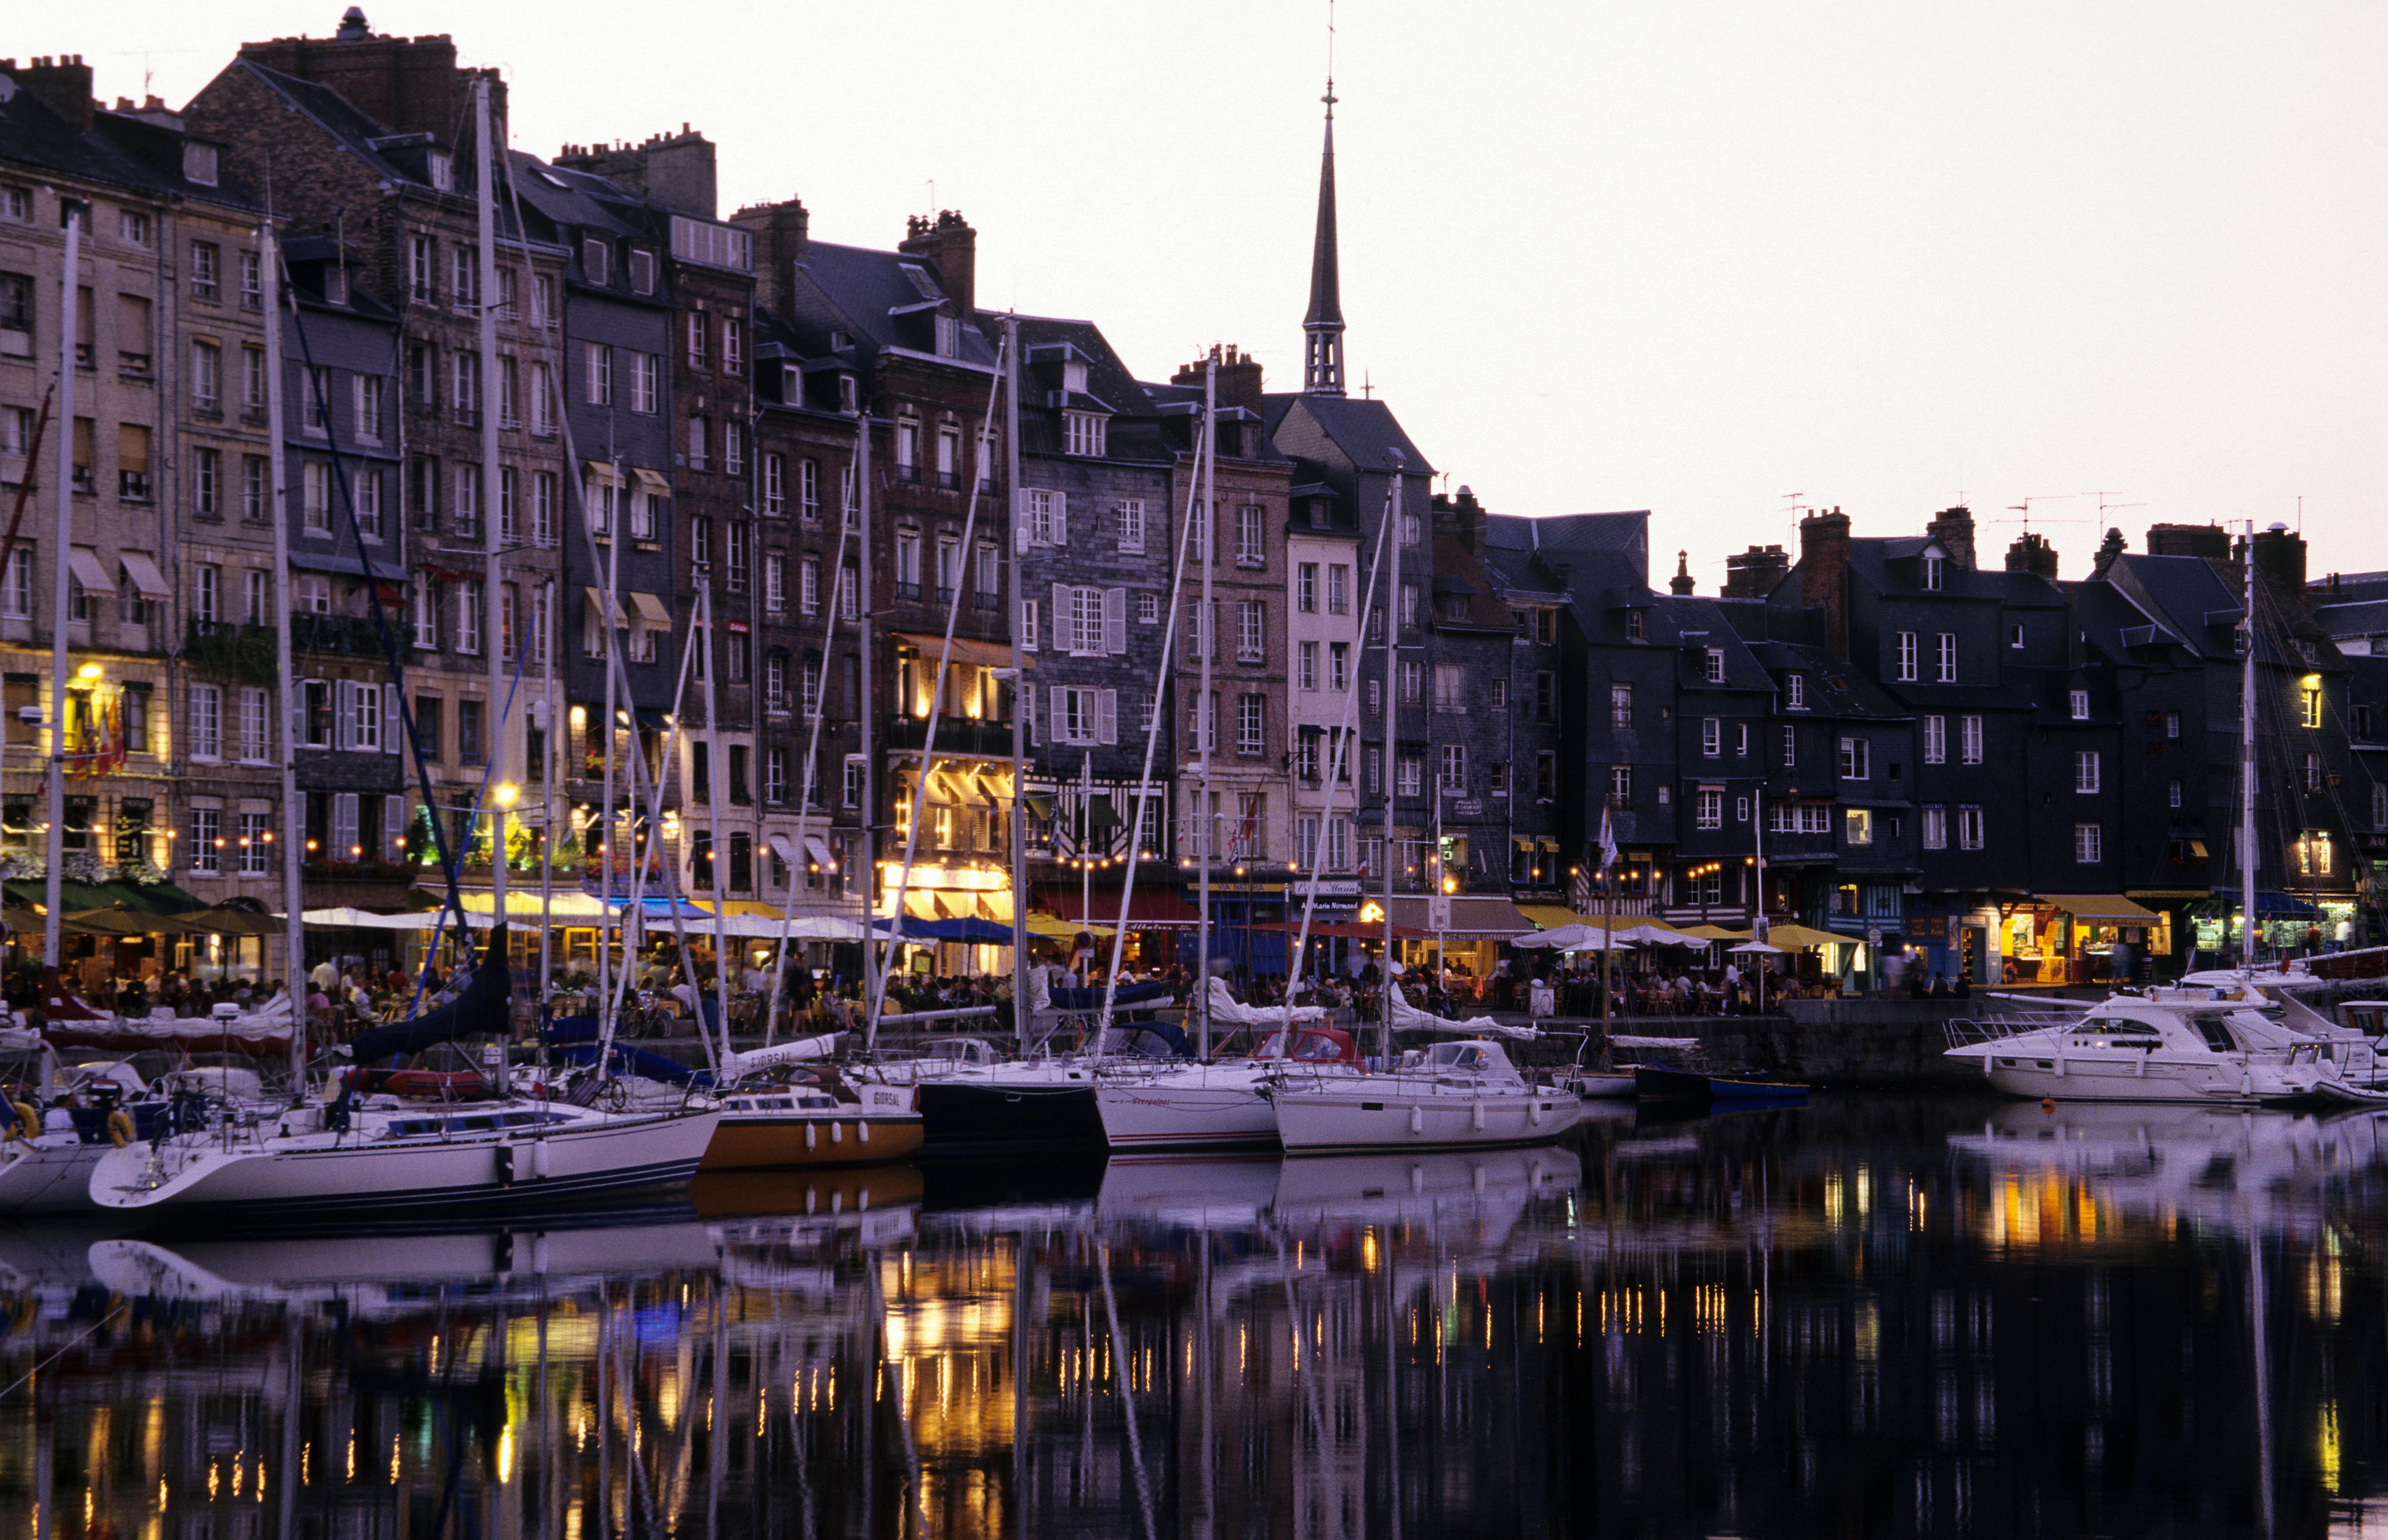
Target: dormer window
[1319,512]
[949,337]
[1073,376]
[442,169]
[1634,627]
[791,385]
[1795,692]
[1082,433]
[198,163]
[2080,701]
[840,341]
[848,397]
[642,272]
[1715,668]
[595,263]
[1935,571]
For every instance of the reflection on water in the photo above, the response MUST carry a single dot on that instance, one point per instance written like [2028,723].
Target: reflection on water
[1870,1318]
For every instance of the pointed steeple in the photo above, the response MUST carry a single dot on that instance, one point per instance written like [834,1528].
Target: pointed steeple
[1321,370]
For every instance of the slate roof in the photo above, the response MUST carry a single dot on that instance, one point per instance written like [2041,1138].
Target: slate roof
[2180,593]
[1833,688]
[855,289]
[1364,429]
[578,199]
[1457,570]
[1108,379]
[2368,618]
[1696,624]
[119,150]
[1597,559]
[1872,558]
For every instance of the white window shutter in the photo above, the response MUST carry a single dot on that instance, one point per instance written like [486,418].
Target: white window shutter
[1061,531]
[1061,617]
[1057,722]
[1023,532]
[1114,620]
[345,736]
[391,729]
[344,825]
[1107,717]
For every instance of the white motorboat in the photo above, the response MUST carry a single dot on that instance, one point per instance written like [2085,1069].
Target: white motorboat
[394,1159]
[2166,1045]
[1216,1106]
[1452,1095]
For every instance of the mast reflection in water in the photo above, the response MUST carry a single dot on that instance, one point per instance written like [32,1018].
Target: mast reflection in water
[1879,1318]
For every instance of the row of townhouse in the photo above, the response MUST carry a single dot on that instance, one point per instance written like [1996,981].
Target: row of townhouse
[1287,665]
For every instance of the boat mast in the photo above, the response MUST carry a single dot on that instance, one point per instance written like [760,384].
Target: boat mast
[859,478]
[493,581]
[1206,714]
[1019,698]
[1392,760]
[61,547]
[717,805]
[619,924]
[269,264]
[2247,766]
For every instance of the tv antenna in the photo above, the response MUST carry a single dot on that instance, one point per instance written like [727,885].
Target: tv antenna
[2023,508]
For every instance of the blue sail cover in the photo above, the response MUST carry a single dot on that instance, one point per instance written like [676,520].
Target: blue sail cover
[577,1037]
[480,1009]
[1092,1000]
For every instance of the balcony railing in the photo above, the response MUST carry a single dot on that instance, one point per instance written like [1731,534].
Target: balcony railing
[959,735]
[908,592]
[220,650]
[352,635]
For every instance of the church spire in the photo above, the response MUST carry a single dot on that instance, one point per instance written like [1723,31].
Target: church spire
[1322,371]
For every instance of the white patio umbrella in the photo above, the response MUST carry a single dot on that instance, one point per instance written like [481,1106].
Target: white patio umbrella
[1756,947]
[1651,934]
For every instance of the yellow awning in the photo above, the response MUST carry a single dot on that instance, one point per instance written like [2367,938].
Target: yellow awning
[1550,917]
[651,610]
[654,481]
[967,651]
[1788,935]
[1052,929]
[1717,933]
[2103,908]
[596,605]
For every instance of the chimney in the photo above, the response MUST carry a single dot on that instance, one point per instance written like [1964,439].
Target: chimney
[670,171]
[781,231]
[407,85]
[1239,376]
[1953,528]
[2109,549]
[952,245]
[1682,582]
[63,85]
[2032,554]
[1824,574]
[2210,541]
[2280,556]
[1754,572]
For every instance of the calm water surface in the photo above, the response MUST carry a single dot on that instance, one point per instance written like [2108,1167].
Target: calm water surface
[1870,1317]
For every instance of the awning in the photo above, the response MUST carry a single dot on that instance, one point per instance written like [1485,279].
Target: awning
[146,579]
[2167,895]
[651,610]
[1148,908]
[1550,917]
[1349,930]
[595,602]
[1045,928]
[967,650]
[817,851]
[600,473]
[84,563]
[159,898]
[2104,908]
[1492,918]
[654,481]
[1790,936]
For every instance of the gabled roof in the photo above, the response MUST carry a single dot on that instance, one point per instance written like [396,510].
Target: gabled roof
[2368,618]
[1362,430]
[2183,594]
[1831,686]
[1882,561]
[1698,625]
[117,150]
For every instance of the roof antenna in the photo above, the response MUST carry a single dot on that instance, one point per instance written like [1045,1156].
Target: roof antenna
[1329,97]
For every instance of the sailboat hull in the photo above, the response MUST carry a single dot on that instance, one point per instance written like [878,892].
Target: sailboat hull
[846,1137]
[48,1175]
[961,1113]
[301,1176]
[1183,1111]
[1385,1118]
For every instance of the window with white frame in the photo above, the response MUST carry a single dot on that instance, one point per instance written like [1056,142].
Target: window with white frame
[1945,657]
[1409,776]
[2085,770]
[1969,739]
[1795,692]
[1305,661]
[1856,758]
[1251,538]
[1128,517]
[1711,737]
[1338,588]
[206,722]
[1251,630]
[1935,740]
[1082,433]
[775,487]
[1305,588]
[1708,811]
[1857,824]
[597,369]
[1148,609]
[2088,843]
[1905,664]
[1936,826]
[1339,666]
[1620,705]
[469,616]
[644,376]
[2080,704]
[1714,666]
[206,844]
[1252,724]
[1969,829]
[1790,747]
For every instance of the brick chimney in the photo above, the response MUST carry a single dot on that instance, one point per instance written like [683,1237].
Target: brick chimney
[1681,583]
[2032,554]
[1824,574]
[952,245]
[2280,556]
[409,85]
[781,232]
[1239,376]
[2210,541]
[671,171]
[1754,572]
[63,85]
[1953,528]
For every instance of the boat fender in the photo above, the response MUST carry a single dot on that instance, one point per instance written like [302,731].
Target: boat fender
[837,1133]
[2246,1082]
[1534,1113]
[505,1165]
[28,1123]
[538,1163]
[861,1131]
[812,1136]
[1417,1120]
[121,1129]
[1476,1115]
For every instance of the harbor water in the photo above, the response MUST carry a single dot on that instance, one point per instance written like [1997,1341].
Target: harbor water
[1869,1316]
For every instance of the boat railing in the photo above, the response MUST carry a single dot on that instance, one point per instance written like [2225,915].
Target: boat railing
[1973,1031]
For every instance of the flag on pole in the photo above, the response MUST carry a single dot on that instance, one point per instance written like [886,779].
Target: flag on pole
[1607,841]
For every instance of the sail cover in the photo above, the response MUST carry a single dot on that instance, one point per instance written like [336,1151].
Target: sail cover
[481,1008]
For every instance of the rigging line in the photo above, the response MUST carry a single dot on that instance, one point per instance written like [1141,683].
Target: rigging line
[449,861]
[1162,701]
[929,737]
[66,1348]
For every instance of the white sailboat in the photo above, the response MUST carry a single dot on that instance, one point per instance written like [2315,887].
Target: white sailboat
[1455,1094]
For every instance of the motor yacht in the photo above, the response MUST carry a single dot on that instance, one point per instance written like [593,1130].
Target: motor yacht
[1450,1095]
[1216,1105]
[2179,1044]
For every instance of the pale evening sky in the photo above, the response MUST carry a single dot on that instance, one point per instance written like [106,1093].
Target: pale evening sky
[1688,257]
